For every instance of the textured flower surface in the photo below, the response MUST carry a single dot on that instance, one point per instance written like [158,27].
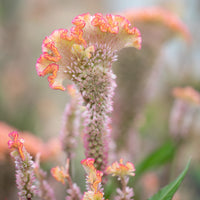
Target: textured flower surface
[120,169]
[91,41]
[25,177]
[85,55]
[71,122]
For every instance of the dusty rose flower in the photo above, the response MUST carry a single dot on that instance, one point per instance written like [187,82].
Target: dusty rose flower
[157,26]
[160,17]
[187,94]
[33,143]
[84,54]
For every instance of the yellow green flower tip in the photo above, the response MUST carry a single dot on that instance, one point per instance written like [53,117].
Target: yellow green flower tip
[120,169]
[65,50]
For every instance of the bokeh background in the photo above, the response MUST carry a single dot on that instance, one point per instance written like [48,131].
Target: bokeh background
[28,104]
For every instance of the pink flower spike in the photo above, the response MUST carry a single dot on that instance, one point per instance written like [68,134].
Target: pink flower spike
[17,143]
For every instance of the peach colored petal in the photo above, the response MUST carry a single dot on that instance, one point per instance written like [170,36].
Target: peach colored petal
[158,15]
[32,143]
[188,94]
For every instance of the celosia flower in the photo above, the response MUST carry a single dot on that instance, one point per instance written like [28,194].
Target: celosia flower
[187,94]
[85,55]
[33,143]
[92,41]
[93,180]
[16,143]
[120,169]
[123,171]
[25,177]
[157,26]
[59,174]
[159,16]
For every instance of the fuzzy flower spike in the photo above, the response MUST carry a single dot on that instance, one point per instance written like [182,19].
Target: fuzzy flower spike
[85,55]
[25,177]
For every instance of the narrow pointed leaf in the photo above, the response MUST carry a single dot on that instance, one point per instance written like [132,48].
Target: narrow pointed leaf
[168,191]
[157,158]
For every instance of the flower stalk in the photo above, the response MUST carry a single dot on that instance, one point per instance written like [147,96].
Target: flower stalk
[85,55]
[25,177]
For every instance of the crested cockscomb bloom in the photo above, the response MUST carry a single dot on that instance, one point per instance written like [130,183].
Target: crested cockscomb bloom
[84,54]
[160,17]
[93,180]
[157,26]
[187,94]
[25,177]
[122,171]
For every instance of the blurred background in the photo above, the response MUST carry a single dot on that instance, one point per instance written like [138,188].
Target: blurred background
[28,104]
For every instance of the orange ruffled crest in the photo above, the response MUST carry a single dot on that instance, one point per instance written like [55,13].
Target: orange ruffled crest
[17,143]
[187,94]
[88,164]
[59,174]
[48,62]
[159,15]
[58,49]
[120,169]
[94,176]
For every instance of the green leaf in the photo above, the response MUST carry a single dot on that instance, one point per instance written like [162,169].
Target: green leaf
[168,191]
[157,158]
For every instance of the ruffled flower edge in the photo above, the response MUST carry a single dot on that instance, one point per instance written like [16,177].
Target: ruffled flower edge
[159,15]
[49,60]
